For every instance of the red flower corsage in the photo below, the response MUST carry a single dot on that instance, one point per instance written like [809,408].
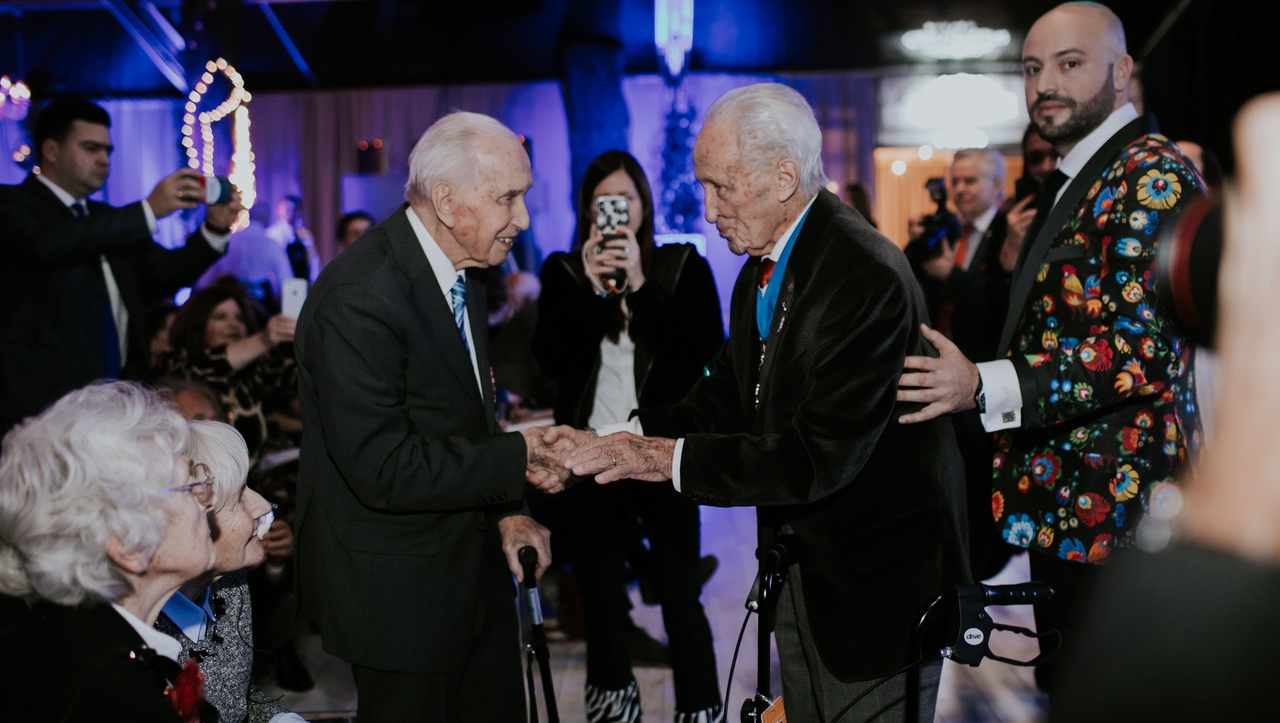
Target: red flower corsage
[187,692]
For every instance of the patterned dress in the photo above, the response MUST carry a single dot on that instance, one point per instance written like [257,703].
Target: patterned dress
[1113,414]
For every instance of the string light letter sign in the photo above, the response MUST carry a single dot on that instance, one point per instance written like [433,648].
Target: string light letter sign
[241,173]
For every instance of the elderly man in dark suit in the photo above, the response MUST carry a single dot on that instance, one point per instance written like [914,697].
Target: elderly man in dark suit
[410,509]
[798,416]
[75,274]
[1091,391]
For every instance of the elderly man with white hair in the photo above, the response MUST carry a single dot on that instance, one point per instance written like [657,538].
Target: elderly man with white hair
[410,499]
[798,416]
[102,518]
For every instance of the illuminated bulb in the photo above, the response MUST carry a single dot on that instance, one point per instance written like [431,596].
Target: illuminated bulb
[925,152]
[898,168]
[222,64]
[207,77]
[210,66]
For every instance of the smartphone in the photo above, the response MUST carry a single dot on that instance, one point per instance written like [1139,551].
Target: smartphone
[292,296]
[217,189]
[1024,187]
[612,213]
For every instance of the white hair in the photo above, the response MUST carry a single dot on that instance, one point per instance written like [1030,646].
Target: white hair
[774,122]
[81,473]
[220,446]
[447,152]
[992,162]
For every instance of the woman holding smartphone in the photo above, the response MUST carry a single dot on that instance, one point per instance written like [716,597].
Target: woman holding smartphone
[624,324]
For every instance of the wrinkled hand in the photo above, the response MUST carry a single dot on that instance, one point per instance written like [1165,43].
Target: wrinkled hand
[181,189]
[222,217]
[1019,218]
[278,542]
[547,448]
[946,384]
[279,329]
[519,531]
[941,266]
[624,456]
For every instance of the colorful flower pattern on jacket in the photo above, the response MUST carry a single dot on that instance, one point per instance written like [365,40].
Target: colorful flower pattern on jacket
[1115,394]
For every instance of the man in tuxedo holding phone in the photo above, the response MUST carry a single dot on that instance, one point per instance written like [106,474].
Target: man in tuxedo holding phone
[76,274]
[1090,394]
[410,500]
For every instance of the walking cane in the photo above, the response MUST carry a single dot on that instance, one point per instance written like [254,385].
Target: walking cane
[538,647]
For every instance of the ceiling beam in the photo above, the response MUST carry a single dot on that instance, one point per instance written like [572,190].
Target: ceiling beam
[290,47]
[154,47]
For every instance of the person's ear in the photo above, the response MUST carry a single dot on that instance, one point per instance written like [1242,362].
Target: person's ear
[444,198]
[50,150]
[132,562]
[787,180]
[1123,72]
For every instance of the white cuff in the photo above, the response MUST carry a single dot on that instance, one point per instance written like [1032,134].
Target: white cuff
[287,717]
[1003,395]
[675,464]
[152,227]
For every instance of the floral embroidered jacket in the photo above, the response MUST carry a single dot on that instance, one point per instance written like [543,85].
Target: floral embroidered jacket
[1107,380]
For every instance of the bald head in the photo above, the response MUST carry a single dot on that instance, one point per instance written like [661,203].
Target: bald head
[1076,71]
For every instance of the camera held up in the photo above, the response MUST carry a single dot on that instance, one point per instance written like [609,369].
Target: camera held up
[1186,269]
[941,226]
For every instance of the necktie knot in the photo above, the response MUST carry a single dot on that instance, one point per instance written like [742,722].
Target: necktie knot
[1052,184]
[766,272]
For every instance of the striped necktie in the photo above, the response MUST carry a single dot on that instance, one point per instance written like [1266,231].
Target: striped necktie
[458,298]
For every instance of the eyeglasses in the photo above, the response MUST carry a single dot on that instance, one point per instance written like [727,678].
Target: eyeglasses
[201,485]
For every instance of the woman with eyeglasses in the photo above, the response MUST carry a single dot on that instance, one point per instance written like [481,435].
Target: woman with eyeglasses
[101,520]
[211,615]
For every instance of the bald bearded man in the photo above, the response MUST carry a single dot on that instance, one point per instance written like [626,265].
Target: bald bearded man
[1091,394]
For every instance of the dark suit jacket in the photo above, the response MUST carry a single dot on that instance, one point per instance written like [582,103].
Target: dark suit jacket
[53,295]
[1108,410]
[87,664]
[676,326]
[403,472]
[878,504]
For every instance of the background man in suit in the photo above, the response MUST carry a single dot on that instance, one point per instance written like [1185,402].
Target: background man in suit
[408,494]
[798,416]
[956,283]
[75,275]
[1093,406]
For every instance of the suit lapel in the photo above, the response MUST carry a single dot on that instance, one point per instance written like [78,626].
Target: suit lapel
[477,311]
[1025,274]
[743,334]
[429,303]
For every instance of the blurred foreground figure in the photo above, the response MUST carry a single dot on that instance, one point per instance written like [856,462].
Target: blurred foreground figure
[1187,633]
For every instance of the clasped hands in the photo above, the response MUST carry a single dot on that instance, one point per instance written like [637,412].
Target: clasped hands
[557,454]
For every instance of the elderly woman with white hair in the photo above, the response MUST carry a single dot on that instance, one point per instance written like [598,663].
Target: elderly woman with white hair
[102,518]
[211,615]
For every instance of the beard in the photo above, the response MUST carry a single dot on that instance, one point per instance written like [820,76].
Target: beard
[1084,117]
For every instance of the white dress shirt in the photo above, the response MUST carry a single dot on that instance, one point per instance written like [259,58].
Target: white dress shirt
[161,643]
[1000,378]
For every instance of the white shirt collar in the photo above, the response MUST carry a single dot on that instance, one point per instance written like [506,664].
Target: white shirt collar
[983,221]
[781,245]
[1072,163]
[67,199]
[446,275]
[163,644]
[190,618]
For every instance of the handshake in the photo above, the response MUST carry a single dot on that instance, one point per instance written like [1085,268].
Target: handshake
[558,454]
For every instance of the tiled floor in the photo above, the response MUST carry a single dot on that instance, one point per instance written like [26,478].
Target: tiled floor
[992,692]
